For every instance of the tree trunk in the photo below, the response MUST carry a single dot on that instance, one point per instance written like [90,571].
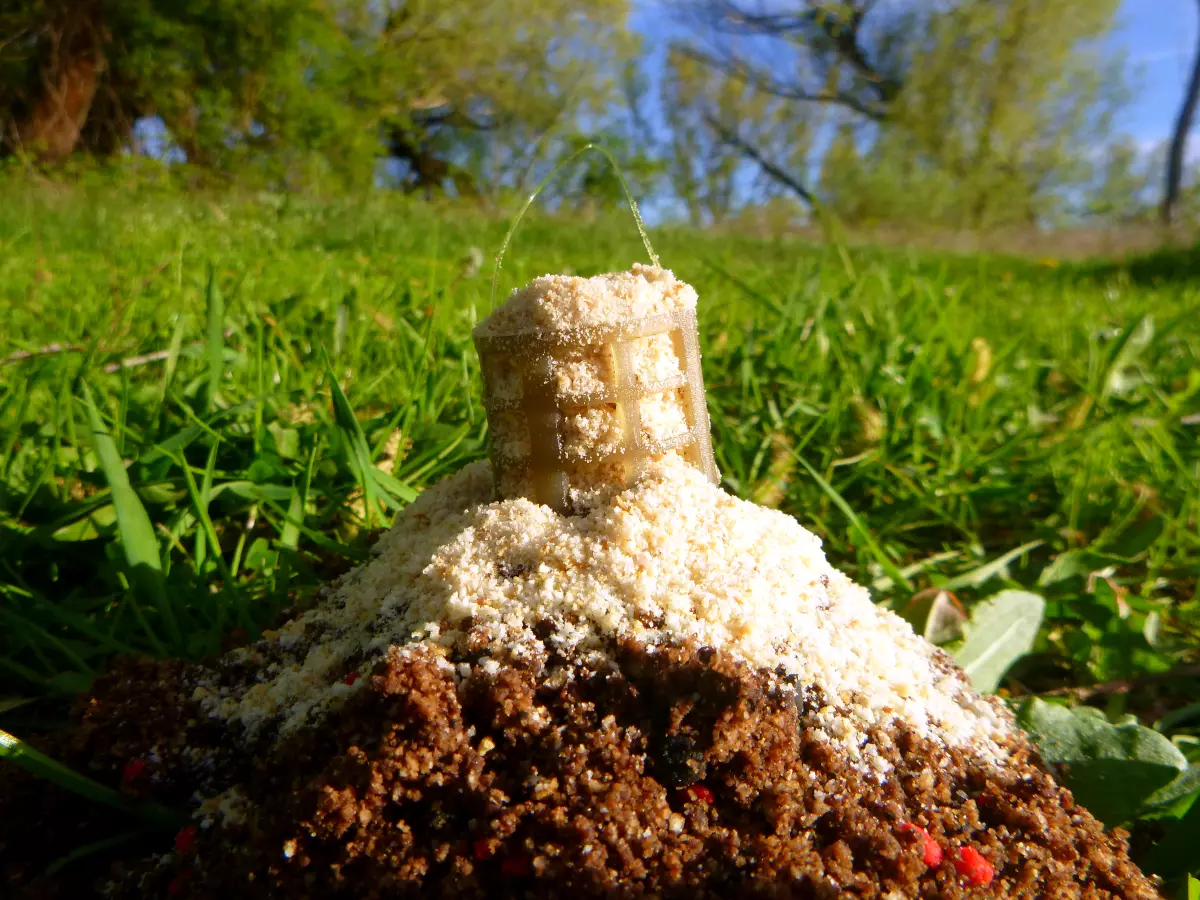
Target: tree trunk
[60,100]
[1183,127]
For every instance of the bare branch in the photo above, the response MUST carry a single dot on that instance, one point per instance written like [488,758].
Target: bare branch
[731,137]
[754,78]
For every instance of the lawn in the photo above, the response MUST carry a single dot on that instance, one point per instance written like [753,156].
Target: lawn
[208,408]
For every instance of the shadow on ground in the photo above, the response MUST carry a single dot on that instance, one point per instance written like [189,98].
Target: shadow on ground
[1159,267]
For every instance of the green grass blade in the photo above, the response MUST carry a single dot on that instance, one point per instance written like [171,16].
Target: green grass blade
[133,524]
[358,454]
[95,847]
[37,763]
[216,338]
[980,575]
[885,562]
[200,508]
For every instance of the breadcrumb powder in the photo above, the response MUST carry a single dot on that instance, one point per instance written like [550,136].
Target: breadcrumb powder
[671,558]
[566,302]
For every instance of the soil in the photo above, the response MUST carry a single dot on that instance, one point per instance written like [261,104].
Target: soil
[676,772]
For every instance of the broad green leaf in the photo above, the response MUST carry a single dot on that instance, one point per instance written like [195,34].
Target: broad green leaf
[70,682]
[1000,631]
[1113,770]
[95,524]
[286,440]
[1181,788]
[936,615]
[1175,854]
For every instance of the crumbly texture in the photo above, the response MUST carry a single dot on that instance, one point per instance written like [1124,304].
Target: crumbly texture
[674,771]
[672,558]
[558,331]
[564,302]
[654,360]
[592,432]
[663,416]
[583,373]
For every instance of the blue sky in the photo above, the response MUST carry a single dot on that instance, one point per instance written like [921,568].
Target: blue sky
[1157,36]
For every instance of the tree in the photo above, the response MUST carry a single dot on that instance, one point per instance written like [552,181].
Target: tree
[1183,127]
[715,119]
[843,177]
[1120,194]
[463,87]
[996,103]
[303,91]
[52,55]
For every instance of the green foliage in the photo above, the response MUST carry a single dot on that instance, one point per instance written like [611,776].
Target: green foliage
[1125,187]
[311,93]
[977,426]
[1004,101]
[976,114]
[704,168]
[1113,770]
[1000,631]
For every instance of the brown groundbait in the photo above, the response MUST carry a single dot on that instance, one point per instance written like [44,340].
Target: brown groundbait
[469,771]
[677,774]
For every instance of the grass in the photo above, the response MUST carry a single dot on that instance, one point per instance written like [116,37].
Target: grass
[207,406]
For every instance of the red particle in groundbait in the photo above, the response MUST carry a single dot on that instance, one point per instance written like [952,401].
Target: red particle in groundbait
[177,883]
[932,852]
[701,793]
[481,849]
[133,770]
[185,839]
[350,679]
[515,866]
[971,865]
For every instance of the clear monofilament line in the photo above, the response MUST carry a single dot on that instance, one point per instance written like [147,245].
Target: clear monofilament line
[633,208]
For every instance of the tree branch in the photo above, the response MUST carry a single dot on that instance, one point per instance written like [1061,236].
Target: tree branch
[733,139]
[754,78]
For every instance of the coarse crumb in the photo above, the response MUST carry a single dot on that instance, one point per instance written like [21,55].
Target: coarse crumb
[562,302]
[671,558]
[675,771]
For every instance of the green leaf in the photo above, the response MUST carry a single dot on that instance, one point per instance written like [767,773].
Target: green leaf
[1113,770]
[358,454]
[95,847]
[70,682]
[1181,788]
[1175,854]
[1193,888]
[97,523]
[374,482]
[286,440]
[936,615]
[1000,631]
